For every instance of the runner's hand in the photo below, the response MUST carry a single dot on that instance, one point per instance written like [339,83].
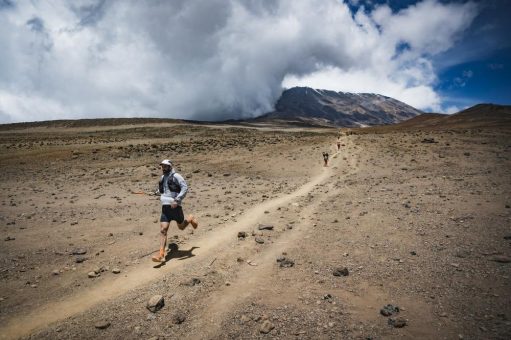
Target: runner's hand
[173,205]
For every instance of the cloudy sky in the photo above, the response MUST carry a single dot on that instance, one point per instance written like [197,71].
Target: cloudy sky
[220,59]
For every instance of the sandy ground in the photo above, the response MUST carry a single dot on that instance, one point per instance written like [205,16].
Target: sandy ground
[419,220]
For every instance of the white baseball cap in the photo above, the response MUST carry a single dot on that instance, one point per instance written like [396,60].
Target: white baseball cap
[166,162]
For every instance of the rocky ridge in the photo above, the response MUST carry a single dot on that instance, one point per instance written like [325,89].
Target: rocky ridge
[342,109]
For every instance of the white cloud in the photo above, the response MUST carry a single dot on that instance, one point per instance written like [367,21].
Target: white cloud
[212,59]
[452,109]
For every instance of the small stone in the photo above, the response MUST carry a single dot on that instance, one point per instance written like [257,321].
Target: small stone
[9,238]
[116,271]
[265,227]
[92,274]
[79,251]
[155,303]
[286,263]
[242,235]
[244,319]
[389,310]
[178,318]
[55,272]
[80,259]
[102,324]
[259,240]
[397,323]
[341,272]
[266,327]
[192,282]
[501,259]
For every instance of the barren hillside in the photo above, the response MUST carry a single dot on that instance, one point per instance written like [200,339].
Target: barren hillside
[286,248]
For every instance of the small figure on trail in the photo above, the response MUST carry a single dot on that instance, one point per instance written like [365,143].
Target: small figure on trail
[338,143]
[325,158]
[172,189]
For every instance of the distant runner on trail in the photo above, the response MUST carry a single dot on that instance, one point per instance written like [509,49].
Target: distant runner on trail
[338,143]
[325,158]
[172,189]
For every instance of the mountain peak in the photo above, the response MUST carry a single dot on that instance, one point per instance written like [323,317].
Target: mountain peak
[339,108]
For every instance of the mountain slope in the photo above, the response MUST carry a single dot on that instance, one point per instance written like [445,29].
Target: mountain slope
[323,107]
[481,116]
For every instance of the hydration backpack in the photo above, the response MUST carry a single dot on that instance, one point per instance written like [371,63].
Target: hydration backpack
[172,184]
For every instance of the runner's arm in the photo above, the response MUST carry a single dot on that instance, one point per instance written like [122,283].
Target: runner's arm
[184,188]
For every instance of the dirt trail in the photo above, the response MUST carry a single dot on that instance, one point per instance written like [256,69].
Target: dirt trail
[23,325]
[225,300]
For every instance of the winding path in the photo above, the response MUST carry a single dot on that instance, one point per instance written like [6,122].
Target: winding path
[39,318]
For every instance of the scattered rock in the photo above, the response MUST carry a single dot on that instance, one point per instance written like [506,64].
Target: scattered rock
[389,310]
[397,323]
[92,274]
[501,259]
[327,297]
[9,238]
[242,235]
[55,272]
[259,240]
[193,282]
[429,140]
[341,272]
[266,327]
[178,318]
[102,324]
[79,251]
[155,303]
[116,271]
[285,262]
[80,259]
[265,227]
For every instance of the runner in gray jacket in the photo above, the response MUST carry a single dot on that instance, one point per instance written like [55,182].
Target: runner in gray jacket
[172,189]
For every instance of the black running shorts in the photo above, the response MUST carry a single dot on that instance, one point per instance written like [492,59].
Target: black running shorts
[168,214]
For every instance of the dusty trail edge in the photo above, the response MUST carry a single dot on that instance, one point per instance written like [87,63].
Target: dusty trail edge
[222,301]
[22,325]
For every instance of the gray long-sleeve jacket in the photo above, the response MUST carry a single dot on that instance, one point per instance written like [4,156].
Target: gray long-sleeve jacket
[168,196]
